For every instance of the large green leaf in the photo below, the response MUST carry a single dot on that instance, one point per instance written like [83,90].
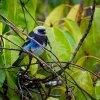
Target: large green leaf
[3,7]
[20,20]
[60,45]
[73,13]
[51,98]
[70,39]
[33,68]
[55,16]
[11,55]
[73,28]
[11,6]
[83,80]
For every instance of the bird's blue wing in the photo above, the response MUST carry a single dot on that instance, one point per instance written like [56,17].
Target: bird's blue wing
[28,40]
[30,44]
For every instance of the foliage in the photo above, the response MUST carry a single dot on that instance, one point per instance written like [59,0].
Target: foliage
[64,33]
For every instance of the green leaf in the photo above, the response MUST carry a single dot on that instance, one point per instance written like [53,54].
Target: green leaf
[33,68]
[70,39]
[11,5]
[81,61]
[55,16]
[20,20]
[83,80]
[1,61]
[52,98]
[6,53]
[40,76]
[73,28]
[3,7]
[60,45]
[10,92]
[72,15]
[2,77]
[11,55]
[97,90]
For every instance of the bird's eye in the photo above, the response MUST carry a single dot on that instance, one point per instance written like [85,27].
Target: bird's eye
[41,30]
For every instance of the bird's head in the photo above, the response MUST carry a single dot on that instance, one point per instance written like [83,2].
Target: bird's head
[40,30]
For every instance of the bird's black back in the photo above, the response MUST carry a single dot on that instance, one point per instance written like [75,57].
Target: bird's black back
[38,38]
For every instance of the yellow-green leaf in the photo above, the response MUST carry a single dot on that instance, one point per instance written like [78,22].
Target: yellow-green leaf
[11,55]
[55,16]
[73,28]
[73,12]
[60,45]
[52,98]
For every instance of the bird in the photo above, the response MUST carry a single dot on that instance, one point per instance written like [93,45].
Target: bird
[35,47]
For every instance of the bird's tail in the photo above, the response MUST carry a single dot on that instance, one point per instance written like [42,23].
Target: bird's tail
[17,62]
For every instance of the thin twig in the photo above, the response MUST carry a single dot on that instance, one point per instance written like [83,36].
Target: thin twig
[20,87]
[24,14]
[31,15]
[9,49]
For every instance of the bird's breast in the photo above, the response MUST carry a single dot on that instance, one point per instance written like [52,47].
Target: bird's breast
[38,51]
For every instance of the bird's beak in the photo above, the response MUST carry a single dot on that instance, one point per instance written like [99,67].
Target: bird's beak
[44,32]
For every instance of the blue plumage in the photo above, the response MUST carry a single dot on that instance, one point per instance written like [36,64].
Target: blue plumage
[39,35]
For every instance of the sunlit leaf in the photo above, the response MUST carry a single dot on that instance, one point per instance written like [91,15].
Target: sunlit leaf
[81,61]
[70,39]
[55,16]
[31,7]
[40,76]
[52,98]
[33,68]
[73,28]
[11,55]
[84,81]
[60,45]
[73,12]
[11,5]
